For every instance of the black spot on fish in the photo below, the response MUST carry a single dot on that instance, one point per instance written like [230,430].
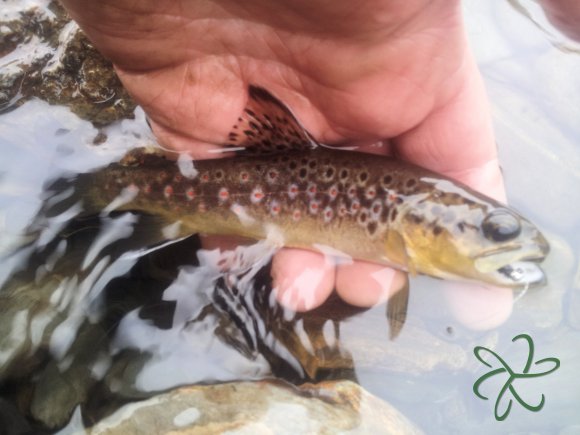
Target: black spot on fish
[363,176]
[249,133]
[387,179]
[411,182]
[329,173]
[302,173]
[293,165]
[219,174]
[344,174]
[437,230]
[312,164]
[394,214]
[372,228]
[415,219]
[250,112]
[362,217]
[254,126]
[461,226]
[384,215]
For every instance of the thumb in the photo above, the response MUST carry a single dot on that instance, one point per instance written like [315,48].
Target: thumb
[456,138]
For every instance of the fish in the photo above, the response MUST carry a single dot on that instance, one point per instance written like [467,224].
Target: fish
[284,186]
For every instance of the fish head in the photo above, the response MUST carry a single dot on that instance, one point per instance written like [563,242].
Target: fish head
[453,232]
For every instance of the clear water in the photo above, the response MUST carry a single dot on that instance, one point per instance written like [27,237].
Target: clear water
[98,310]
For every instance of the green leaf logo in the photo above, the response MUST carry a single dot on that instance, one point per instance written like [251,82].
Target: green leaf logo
[512,376]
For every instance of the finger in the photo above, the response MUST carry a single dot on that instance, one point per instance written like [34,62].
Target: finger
[302,280]
[457,138]
[477,306]
[565,15]
[366,284]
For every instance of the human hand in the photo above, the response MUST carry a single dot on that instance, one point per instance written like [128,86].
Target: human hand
[352,73]
[565,15]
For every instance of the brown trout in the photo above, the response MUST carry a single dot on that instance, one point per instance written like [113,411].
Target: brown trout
[285,186]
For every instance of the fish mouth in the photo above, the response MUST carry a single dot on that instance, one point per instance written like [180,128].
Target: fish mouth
[514,265]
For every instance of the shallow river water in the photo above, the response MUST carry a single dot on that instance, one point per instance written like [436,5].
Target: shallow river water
[93,318]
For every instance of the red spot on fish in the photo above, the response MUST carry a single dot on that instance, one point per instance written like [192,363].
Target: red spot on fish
[370,193]
[190,193]
[355,206]
[244,177]
[205,177]
[328,213]
[147,189]
[342,211]
[177,178]
[223,194]
[351,192]
[311,190]
[293,191]
[297,215]
[314,206]
[257,195]
[168,191]
[333,192]
[275,208]
[202,207]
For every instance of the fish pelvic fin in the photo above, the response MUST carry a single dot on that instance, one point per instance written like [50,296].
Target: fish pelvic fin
[397,308]
[267,126]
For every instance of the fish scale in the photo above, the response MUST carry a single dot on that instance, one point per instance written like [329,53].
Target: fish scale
[282,184]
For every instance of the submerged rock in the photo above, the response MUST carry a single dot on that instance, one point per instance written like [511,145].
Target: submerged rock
[259,407]
[44,54]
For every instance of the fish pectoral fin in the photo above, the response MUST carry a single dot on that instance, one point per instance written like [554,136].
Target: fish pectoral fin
[267,126]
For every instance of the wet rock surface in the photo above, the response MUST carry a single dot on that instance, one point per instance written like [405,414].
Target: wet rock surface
[43,54]
[259,407]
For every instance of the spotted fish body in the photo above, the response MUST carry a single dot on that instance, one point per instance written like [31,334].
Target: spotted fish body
[286,187]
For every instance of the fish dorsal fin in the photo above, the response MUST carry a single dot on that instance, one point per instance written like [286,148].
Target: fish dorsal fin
[267,126]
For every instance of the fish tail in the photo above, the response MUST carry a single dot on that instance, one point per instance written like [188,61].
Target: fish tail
[69,195]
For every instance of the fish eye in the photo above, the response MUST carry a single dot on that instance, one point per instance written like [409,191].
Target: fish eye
[501,225]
